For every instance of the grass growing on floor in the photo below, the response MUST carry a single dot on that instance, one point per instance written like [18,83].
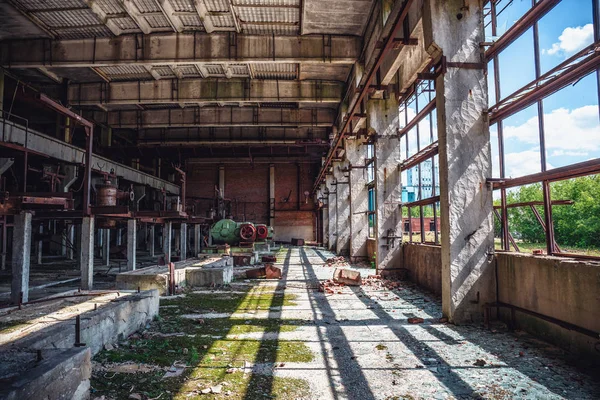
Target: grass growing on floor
[211,351]
[11,326]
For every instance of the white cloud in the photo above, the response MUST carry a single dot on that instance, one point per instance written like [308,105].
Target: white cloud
[523,163]
[571,40]
[575,130]
[557,153]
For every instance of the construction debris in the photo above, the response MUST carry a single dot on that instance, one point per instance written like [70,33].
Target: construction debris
[269,271]
[347,276]
[415,320]
[339,261]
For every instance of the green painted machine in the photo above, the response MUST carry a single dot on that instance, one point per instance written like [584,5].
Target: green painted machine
[225,231]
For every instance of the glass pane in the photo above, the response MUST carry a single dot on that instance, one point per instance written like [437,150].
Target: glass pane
[495,151]
[577,225]
[508,12]
[517,64]
[572,124]
[564,31]
[522,143]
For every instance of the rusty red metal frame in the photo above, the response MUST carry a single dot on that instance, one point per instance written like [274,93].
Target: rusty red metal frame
[390,44]
[520,27]
[574,68]
[425,154]
[89,140]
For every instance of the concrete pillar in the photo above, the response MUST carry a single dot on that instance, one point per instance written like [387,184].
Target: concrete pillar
[183,241]
[4,243]
[131,244]
[197,239]
[106,247]
[465,158]
[40,245]
[167,234]
[1,91]
[119,237]
[271,194]
[222,180]
[359,220]
[87,253]
[383,118]
[151,240]
[342,245]
[332,211]
[325,218]
[21,248]
[71,236]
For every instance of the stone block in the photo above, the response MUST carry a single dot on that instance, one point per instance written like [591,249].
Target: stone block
[347,276]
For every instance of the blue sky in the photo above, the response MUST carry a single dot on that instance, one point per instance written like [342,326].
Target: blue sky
[571,116]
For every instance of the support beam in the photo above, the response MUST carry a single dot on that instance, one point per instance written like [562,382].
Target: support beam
[179,48]
[151,239]
[106,247]
[183,241]
[71,236]
[21,257]
[68,153]
[209,90]
[342,240]
[167,236]
[356,153]
[40,245]
[222,180]
[331,190]
[271,194]
[197,239]
[383,118]
[87,253]
[215,116]
[467,230]
[5,164]
[131,244]
[119,237]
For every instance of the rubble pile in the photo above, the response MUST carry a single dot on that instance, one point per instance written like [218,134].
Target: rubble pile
[339,261]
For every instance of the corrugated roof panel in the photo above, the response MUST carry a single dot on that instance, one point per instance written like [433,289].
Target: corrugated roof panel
[110,7]
[222,21]
[214,69]
[68,18]
[158,21]
[182,5]
[146,6]
[275,71]
[125,72]
[49,4]
[239,69]
[164,71]
[126,24]
[268,2]
[217,5]
[191,21]
[188,70]
[252,14]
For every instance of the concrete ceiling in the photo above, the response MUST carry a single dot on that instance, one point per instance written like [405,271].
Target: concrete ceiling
[176,54]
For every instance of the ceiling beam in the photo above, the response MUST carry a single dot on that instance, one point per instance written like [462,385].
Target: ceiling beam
[216,116]
[179,48]
[201,91]
[236,135]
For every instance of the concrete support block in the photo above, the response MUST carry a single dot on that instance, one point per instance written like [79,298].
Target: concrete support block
[151,239]
[465,159]
[359,220]
[106,247]
[39,246]
[21,257]
[87,253]
[183,241]
[347,276]
[119,237]
[383,118]
[332,212]
[167,235]
[271,194]
[197,239]
[131,244]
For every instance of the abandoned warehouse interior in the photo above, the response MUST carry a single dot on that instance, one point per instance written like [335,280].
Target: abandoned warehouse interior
[299,199]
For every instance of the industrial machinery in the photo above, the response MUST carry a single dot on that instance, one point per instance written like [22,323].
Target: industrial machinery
[227,231]
[107,194]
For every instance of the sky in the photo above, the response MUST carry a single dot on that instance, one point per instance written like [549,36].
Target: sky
[571,116]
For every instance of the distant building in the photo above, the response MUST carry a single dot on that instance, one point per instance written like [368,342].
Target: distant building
[410,188]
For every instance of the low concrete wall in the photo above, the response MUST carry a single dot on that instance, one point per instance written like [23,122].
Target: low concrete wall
[556,287]
[424,265]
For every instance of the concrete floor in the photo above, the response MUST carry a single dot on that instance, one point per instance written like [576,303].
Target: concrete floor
[365,349]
